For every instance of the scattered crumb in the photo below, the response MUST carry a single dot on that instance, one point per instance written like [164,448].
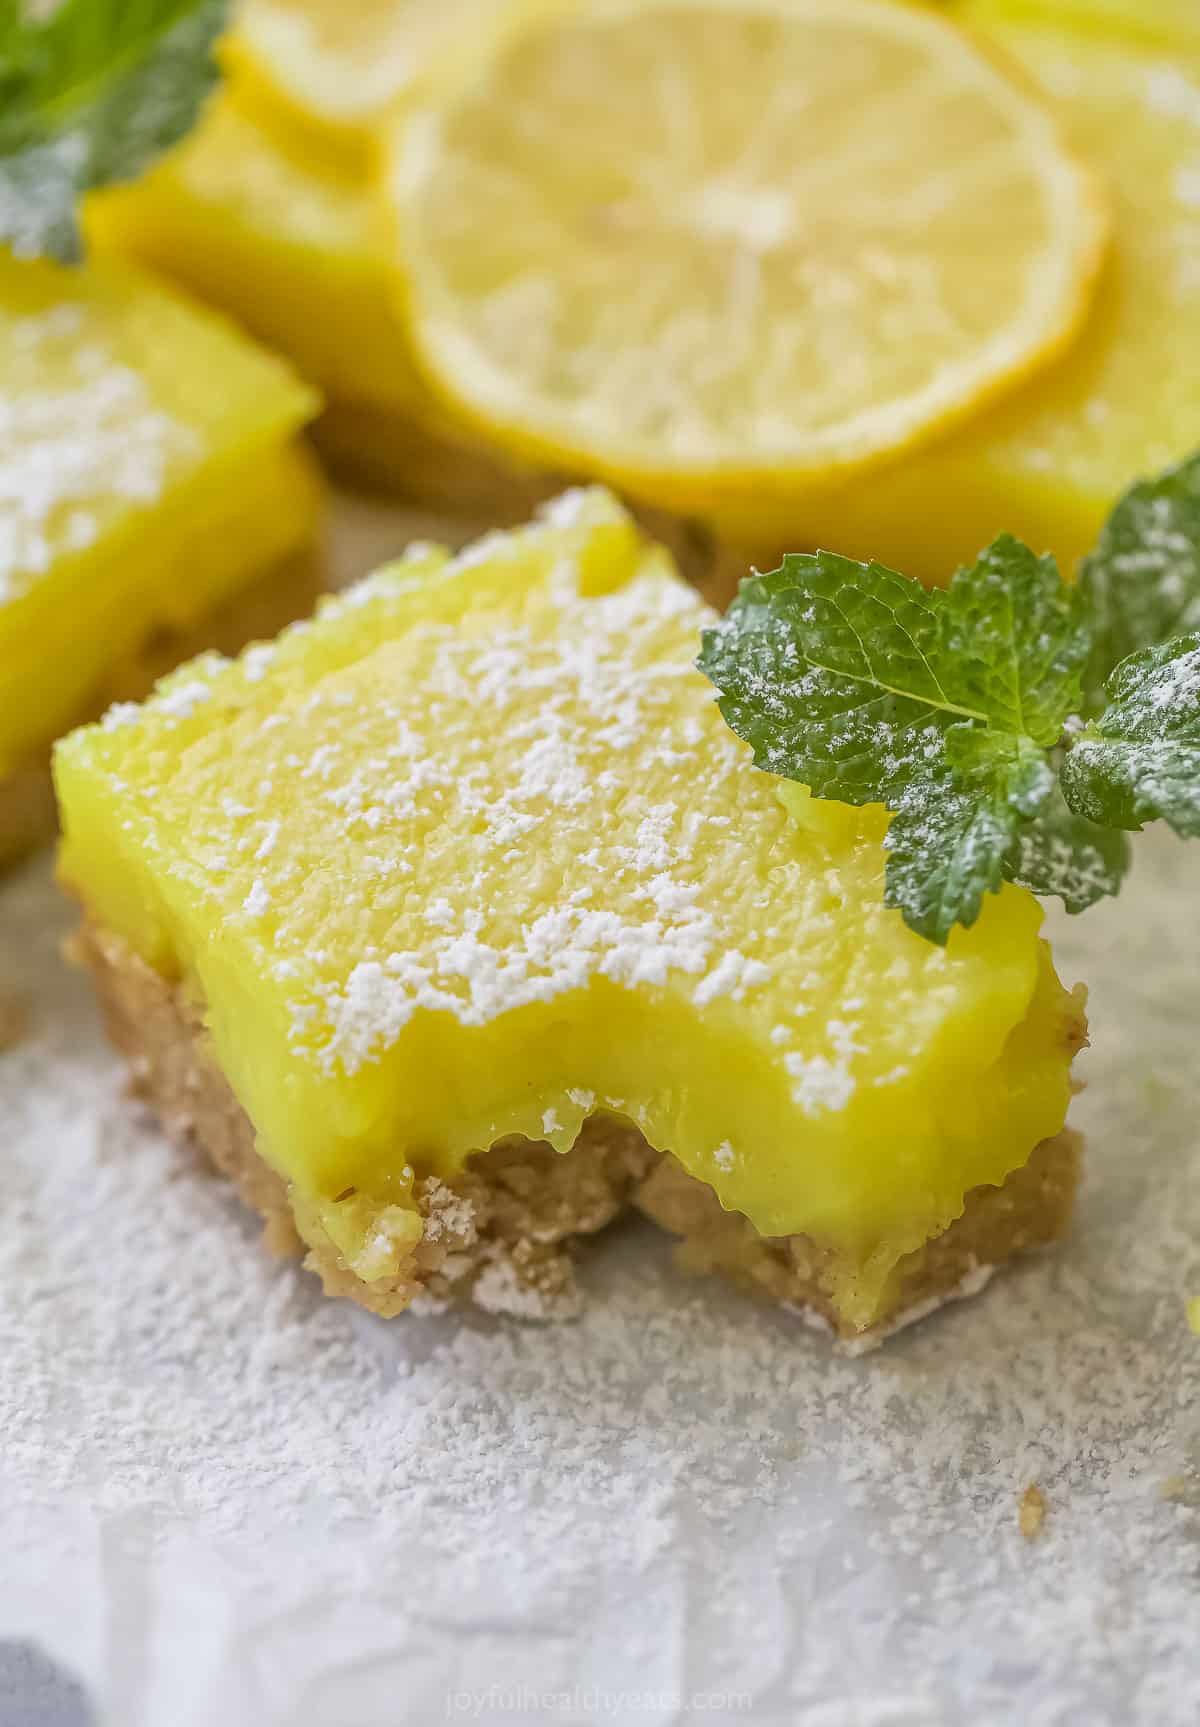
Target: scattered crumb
[448,1215]
[1031,1513]
[504,1286]
[14,1021]
[1193,1315]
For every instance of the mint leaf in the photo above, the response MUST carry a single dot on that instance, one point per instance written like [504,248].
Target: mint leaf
[1061,855]
[943,855]
[832,671]
[955,826]
[90,95]
[958,710]
[1140,760]
[1014,630]
[1141,584]
[868,688]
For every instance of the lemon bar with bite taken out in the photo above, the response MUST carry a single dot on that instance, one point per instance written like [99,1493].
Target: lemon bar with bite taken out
[456,920]
[154,501]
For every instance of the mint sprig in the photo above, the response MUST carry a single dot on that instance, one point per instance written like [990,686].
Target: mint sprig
[1141,585]
[89,95]
[1140,760]
[958,709]
[1062,855]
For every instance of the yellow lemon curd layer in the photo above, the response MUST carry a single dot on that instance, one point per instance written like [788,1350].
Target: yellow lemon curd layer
[1049,461]
[473,854]
[286,243]
[148,472]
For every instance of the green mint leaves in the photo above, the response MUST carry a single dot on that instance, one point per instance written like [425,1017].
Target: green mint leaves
[1140,760]
[940,704]
[959,708]
[1142,583]
[91,94]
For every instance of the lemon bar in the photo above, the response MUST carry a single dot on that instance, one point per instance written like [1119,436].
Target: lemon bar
[153,493]
[1048,462]
[283,242]
[456,920]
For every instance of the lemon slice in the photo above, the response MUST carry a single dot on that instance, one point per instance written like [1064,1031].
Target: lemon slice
[707,247]
[1049,461]
[324,71]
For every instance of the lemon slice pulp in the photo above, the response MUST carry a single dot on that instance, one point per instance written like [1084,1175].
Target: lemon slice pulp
[703,247]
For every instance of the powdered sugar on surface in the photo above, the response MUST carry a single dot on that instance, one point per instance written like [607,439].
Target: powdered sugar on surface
[225,1499]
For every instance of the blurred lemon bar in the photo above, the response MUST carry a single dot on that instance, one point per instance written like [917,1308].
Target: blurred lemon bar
[285,242]
[282,241]
[267,210]
[456,920]
[153,496]
[1125,400]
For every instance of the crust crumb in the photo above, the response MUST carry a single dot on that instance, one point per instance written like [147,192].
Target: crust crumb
[1175,1489]
[1031,1512]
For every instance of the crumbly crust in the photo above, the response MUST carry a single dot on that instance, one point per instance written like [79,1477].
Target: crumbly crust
[1031,1209]
[500,1234]
[287,590]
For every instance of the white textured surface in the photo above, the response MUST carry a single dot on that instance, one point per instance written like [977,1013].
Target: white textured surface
[222,1499]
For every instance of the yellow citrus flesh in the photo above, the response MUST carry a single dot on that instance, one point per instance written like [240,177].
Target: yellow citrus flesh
[721,248]
[149,474]
[284,243]
[1048,463]
[323,73]
[474,855]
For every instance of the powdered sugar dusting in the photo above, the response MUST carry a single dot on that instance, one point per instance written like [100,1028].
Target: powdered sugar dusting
[522,810]
[78,432]
[305,1504]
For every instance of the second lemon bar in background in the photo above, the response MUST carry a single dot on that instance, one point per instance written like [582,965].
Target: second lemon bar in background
[155,499]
